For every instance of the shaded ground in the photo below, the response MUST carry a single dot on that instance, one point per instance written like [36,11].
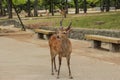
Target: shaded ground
[24,57]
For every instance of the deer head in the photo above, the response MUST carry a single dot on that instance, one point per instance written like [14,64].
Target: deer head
[63,32]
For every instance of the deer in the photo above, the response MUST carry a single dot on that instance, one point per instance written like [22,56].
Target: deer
[46,12]
[63,13]
[60,45]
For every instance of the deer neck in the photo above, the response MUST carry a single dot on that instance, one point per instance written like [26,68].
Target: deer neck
[64,39]
[65,43]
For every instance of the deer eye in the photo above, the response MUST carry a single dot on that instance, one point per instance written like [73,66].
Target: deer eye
[58,37]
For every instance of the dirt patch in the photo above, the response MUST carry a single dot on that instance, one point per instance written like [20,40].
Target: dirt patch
[38,25]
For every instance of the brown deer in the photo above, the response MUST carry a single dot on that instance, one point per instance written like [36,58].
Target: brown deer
[60,45]
[63,13]
[46,12]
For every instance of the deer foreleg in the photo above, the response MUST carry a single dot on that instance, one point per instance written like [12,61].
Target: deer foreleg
[68,63]
[60,59]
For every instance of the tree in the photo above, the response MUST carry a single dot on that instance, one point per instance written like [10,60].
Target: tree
[117,4]
[35,7]
[76,6]
[85,6]
[29,8]
[9,3]
[107,5]
[66,6]
[63,6]
[23,27]
[1,11]
[93,3]
[52,7]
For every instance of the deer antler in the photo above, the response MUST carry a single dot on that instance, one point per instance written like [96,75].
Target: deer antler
[69,26]
[61,23]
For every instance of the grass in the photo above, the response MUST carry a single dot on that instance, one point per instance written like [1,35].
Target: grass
[110,20]
[98,21]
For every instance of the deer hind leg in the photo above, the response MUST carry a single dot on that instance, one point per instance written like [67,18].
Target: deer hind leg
[52,62]
[52,59]
[60,60]
[68,63]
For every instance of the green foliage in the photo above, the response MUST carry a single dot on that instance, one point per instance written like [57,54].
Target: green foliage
[4,3]
[19,2]
[93,3]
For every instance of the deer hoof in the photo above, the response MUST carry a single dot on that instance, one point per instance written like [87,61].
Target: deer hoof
[71,77]
[56,70]
[58,77]
[52,73]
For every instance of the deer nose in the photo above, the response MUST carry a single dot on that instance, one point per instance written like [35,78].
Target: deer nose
[58,36]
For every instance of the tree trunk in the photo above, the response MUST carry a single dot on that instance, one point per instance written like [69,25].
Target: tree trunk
[115,4]
[9,2]
[23,27]
[66,6]
[28,7]
[107,5]
[52,7]
[76,7]
[103,5]
[1,11]
[35,7]
[85,6]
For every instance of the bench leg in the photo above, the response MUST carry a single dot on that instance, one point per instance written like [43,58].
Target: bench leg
[48,36]
[96,44]
[114,47]
[40,36]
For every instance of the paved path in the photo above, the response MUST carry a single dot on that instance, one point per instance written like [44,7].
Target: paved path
[26,61]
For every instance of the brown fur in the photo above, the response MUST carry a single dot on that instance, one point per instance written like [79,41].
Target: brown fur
[45,12]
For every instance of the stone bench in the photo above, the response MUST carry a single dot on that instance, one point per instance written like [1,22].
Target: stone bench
[97,39]
[42,32]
